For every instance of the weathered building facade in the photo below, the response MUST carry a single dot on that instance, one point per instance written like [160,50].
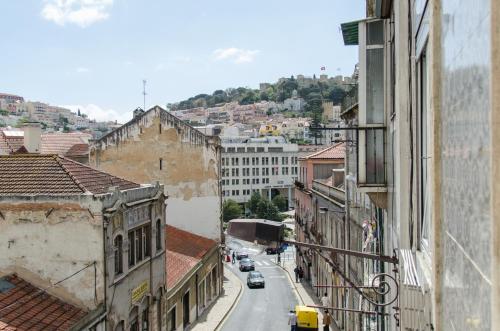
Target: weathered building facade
[194,277]
[86,237]
[157,146]
[427,156]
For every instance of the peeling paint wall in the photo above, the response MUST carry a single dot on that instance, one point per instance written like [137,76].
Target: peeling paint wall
[157,146]
[45,241]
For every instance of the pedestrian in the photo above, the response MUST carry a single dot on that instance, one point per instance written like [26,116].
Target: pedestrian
[324,300]
[296,272]
[279,258]
[292,320]
[233,257]
[327,320]
[301,274]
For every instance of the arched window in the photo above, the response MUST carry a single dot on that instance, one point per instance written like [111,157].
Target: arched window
[118,254]
[158,235]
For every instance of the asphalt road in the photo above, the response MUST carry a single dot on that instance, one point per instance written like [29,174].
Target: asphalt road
[261,309]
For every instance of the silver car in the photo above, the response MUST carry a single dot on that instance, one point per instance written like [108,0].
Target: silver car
[255,279]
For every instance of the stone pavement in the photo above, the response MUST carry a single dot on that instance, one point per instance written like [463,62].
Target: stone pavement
[212,317]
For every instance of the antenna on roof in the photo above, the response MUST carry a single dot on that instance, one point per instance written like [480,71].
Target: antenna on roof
[144,92]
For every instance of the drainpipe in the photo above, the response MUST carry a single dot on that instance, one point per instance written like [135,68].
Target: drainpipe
[104,228]
[347,226]
[197,294]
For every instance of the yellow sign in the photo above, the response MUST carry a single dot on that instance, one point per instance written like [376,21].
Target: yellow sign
[139,291]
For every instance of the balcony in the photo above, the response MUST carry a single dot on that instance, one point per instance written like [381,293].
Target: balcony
[350,102]
[331,192]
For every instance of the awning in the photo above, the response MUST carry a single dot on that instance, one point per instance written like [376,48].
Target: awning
[350,32]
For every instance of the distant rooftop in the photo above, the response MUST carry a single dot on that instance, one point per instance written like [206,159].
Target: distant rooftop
[35,174]
[336,151]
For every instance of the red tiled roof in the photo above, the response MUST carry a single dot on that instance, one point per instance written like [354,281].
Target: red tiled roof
[25,307]
[32,174]
[178,265]
[184,251]
[62,143]
[10,143]
[78,150]
[333,152]
[73,143]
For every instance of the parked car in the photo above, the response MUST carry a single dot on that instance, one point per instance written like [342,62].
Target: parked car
[246,265]
[241,255]
[275,250]
[255,279]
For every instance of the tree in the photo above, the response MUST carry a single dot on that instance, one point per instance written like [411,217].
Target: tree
[267,210]
[79,114]
[280,202]
[253,202]
[314,105]
[231,210]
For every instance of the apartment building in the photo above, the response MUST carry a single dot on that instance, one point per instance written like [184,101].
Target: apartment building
[426,156]
[268,165]
[77,239]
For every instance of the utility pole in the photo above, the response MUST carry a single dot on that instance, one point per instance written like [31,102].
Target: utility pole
[144,93]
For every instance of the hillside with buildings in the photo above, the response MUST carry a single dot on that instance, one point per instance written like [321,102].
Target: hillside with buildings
[302,87]
[15,111]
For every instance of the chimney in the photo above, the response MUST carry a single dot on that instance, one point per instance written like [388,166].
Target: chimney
[337,177]
[138,112]
[32,136]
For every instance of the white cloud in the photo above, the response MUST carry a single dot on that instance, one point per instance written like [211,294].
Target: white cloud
[100,114]
[80,12]
[82,70]
[237,55]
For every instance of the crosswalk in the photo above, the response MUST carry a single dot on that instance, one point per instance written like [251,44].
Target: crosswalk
[262,263]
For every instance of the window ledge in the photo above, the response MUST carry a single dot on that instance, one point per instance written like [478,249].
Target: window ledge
[127,272]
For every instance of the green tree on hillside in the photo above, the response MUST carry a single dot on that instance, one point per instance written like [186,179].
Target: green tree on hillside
[231,210]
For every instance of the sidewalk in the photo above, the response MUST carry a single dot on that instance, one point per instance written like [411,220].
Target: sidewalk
[306,293]
[213,316]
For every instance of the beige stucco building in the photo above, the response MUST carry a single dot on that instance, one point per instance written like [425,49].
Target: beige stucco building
[157,146]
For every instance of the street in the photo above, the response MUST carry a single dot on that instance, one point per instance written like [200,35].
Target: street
[262,309]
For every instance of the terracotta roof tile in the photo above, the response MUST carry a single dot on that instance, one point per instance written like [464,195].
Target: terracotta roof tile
[333,152]
[25,307]
[32,174]
[178,265]
[184,251]
[187,243]
[62,143]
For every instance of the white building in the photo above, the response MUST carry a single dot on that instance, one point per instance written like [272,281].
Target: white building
[267,165]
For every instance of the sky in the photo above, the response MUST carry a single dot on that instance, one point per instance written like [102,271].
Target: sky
[95,54]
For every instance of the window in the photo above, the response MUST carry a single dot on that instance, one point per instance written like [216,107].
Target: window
[235,172]
[265,161]
[140,244]
[161,163]
[145,320]
[171,319]
[275,171]
[424,152]
[158,236]
[255,171]
[284,160]
[131,249]
[284,171]
[265,171]
[371,170]
[118,255]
